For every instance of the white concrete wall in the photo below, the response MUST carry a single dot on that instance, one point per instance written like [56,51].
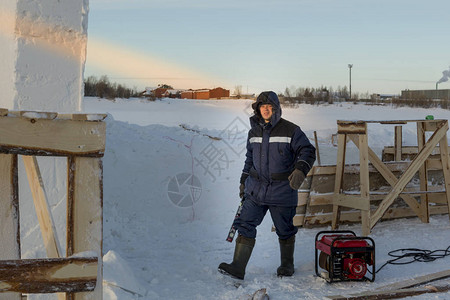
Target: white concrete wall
[8,53]
[48,52]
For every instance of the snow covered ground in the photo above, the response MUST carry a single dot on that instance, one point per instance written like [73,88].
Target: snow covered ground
[164,240]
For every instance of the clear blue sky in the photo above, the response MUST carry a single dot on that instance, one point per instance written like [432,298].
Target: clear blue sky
[270,45]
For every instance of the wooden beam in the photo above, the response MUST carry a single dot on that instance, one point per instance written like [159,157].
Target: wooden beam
[51,137]
[364,183]
[352,128]
[409,173]
[443,145]
[42,208]
[340,163]
[83,117]
[423,279]
[9,214]
[317,148]
[53,275]
[85,212]
[398,143]
[352,201]
[423,175]
[354,216]
[402,289]
[394,294]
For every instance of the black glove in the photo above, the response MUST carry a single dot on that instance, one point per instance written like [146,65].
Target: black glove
[296,178]
[242,185]
[241,190]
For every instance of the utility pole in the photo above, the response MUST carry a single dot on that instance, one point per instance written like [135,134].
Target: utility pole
[350,68]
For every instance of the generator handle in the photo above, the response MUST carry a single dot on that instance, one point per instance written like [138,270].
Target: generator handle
[334,231]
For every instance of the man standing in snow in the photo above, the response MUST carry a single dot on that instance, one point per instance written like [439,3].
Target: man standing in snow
[279,155]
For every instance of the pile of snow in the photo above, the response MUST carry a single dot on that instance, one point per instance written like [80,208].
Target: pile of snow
[165,230]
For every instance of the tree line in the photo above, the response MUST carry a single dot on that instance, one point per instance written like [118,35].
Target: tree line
[103,88]
[291,97]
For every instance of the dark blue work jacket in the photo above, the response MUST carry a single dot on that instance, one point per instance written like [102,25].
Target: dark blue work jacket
[274,150]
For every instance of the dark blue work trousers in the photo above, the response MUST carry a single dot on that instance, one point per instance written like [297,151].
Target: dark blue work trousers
[252,215]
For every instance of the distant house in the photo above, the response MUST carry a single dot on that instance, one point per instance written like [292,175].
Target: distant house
[189,94]
[172,93]
[216,93]
[159,92]
[201,94]
[169,92]
[219,93]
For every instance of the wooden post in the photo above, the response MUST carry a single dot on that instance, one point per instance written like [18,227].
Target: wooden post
[364,183]
[443,145]
[84,213]
[340,164]
[317,148]
[423,174]
[9,214]
[398,143]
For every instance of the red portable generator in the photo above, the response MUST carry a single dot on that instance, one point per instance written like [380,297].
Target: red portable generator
[344,256]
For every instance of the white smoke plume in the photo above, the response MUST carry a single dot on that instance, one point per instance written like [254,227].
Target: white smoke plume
[445,76]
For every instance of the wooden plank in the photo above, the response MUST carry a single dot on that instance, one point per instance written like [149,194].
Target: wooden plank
[42,208]
[9,214]
[443,145]
[364,183]
[431,126]
[352,128]
[354,168]
[48,275]
[406,150]
[302,198]
[355,215]
[340,163]
[423,175]
[394,294]
[417,281]
[34,115]
[398,143]
[83,117]
[352,201]
[407,286]
[51,137]
[317,148]
[409,173]
[86,210]
[3,112]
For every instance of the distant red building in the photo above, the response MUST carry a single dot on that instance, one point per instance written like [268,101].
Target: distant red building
[201,94]
[159,92]
[187,94]
[219,93]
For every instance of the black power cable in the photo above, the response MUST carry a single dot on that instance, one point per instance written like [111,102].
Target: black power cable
[413,255]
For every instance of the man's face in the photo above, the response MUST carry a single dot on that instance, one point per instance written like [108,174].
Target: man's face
[266,112]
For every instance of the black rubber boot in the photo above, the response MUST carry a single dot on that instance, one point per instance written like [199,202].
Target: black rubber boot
[287,257]
[242,253]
